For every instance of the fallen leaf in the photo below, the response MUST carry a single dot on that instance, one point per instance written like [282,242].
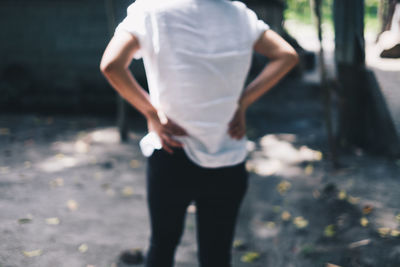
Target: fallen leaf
[270,224]
[134,164]
[300,222]
[331,265]
[4,131]
[316,193]
[367,209]
[359,243]
[353,200]
[53,221]
[72,205]
[285,216]
[395,233]
[283,186]
[342,194]
[250,257]
[33,253]
[24,220]
[329,230]
[83,248]
[383,231]
[309,169]
[364,221]
[239,244]
[127,191]
[276,208]
[318,155]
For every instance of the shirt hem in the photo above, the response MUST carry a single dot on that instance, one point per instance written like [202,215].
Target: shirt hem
[231,163]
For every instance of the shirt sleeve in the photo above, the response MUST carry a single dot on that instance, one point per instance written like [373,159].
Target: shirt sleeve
[135,23]
[256,26]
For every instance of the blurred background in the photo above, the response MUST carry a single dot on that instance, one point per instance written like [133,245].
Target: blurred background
[324,151]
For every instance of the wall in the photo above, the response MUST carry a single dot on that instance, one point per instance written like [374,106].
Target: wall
[50,54]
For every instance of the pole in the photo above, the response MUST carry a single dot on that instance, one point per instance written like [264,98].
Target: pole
[121,103]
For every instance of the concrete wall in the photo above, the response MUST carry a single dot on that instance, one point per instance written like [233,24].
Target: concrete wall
[50,53]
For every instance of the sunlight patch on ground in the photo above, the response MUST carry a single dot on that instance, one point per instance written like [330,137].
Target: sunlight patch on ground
[106,135]
[55,164]
[280,148]
[276,154]
[265,229]
[73,153]
[386,218]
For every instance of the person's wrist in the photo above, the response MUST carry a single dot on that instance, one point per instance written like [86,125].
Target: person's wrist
[242,106]
[151,115]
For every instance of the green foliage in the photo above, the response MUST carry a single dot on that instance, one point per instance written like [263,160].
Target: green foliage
[300,10]
[371,7]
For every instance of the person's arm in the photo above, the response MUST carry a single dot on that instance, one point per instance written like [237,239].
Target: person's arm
[282,58]
[115,67]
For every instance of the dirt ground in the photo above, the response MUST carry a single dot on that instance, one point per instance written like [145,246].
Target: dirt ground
[72,195]
[305,212]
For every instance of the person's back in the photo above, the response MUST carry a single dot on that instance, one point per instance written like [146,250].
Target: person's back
[197,54]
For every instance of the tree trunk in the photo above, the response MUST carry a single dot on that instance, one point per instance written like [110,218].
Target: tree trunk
[316,6]
[350,62]
[385,12]
[121,103]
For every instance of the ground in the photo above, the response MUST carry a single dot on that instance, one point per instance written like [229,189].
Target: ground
[73,195]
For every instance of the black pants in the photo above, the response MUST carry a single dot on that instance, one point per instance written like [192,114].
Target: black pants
[173,182]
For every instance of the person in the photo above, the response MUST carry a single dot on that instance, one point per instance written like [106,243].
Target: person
[197,54]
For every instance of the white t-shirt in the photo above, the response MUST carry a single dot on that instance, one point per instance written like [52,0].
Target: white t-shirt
[197,54]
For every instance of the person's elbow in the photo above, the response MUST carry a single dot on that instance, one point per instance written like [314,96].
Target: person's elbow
[107,67]
[292,57]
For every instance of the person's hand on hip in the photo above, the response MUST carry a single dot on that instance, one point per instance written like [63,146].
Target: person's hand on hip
[165,129]
[237,126]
